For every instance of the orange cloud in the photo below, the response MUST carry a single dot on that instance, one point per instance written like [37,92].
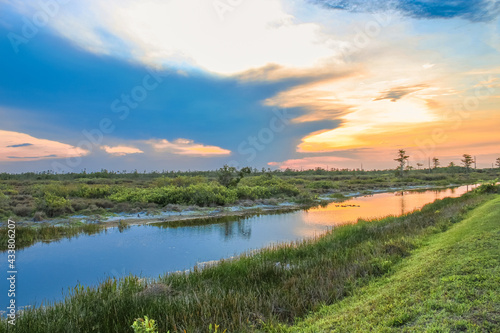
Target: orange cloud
[313,162]
[187,147]
[121,150]
[17,146]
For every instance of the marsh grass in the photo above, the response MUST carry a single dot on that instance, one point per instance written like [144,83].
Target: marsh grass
[29,235]
[449,285]
[276,285]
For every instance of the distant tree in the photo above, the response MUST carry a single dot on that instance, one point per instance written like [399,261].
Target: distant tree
[230,176]
[467,161]
[419,165]
[498,162]
[451,165]
[402,159]
[435,162]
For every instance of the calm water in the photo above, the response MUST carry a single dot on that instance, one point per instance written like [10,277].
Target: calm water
[47,270]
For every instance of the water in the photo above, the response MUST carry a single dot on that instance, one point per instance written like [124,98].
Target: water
[47,270]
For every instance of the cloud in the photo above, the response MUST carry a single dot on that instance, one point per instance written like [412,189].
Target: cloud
[190,33]
[187,147]
[23,147]
[394,94]
[312,162]
[121,150]
[472,10]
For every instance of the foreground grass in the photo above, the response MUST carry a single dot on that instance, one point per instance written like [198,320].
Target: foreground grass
[450,285]
[254,292]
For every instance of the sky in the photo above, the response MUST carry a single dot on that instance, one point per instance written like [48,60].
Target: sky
[196,84]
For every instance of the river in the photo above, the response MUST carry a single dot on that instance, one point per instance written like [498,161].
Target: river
[47,270]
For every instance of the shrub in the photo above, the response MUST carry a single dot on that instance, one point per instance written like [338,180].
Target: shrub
[79,204]
[23,210]
[39,216]
[322,184]
[54,205]
[92,192]
[145,325]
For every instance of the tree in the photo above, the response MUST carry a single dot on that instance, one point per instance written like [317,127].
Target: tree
[467,161]
[435,162]
[451,165]
[419,165]
[498,162]
[402,159]
[230,176]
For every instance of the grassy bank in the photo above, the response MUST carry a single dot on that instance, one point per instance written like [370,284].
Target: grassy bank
[450,285]
[254,292]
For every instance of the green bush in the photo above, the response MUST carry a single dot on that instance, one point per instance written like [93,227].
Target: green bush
[180,181]
[205,194]
[54,205]
[322,184]
[92,192]
[145,325]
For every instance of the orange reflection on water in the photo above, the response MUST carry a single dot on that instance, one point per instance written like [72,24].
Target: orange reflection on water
[380,205]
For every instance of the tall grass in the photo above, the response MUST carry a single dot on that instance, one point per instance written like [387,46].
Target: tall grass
[276,285]
[29,235]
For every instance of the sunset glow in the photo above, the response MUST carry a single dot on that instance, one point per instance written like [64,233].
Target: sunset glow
[273,83]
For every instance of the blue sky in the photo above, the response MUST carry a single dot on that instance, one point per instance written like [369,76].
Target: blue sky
[154,85]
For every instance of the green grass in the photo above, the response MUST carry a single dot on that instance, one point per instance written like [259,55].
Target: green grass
[36,197]
[29,235]
[451,284]
[255,292]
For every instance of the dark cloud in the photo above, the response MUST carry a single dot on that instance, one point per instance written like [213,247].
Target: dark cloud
[472,10]
[399,92]
[21,145]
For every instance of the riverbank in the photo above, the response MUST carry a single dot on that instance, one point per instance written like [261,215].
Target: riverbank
[450,284]
[29,233]
[260,291]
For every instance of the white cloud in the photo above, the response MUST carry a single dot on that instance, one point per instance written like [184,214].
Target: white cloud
[187,33]
[187,147]
[17,146]
[121,150]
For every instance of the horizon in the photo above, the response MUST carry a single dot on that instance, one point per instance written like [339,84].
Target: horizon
[193,84]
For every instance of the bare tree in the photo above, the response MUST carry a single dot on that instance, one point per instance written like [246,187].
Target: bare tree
[467,161]
[402,159]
